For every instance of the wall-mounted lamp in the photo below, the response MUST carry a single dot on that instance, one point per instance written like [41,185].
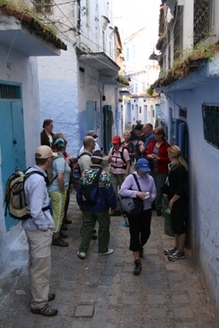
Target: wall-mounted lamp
[153,56]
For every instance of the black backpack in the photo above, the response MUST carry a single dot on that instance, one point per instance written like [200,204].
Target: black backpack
[90,191]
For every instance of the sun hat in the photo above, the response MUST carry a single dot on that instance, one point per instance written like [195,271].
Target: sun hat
[44,152]
[143,165]
[97,154]
[60,141]
[116,140]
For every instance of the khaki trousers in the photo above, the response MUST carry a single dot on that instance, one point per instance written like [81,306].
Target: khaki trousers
[39,266]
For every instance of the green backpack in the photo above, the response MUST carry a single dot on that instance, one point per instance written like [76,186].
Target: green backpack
[15,196]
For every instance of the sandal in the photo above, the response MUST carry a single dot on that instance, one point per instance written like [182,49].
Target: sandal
[51,297]
[47,311]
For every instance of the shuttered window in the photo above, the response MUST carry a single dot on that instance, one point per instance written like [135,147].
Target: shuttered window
[10,92]
[211,124]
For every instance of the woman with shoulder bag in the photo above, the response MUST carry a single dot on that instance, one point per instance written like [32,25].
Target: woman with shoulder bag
[140,224]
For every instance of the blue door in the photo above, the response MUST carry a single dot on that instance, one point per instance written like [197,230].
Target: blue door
[11,141]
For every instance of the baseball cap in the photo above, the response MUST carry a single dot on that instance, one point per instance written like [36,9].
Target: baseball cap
[92,133]
[143,165]
[44,152]
[116,140]
[97,154]
[60,141]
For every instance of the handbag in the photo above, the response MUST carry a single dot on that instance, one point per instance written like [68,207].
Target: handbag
[132,206]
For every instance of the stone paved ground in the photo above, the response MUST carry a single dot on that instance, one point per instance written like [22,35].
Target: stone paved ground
[102,292]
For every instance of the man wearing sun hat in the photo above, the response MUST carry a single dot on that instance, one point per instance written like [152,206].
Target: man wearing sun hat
[139,225]
[38,230]
[99,211]
[119,161]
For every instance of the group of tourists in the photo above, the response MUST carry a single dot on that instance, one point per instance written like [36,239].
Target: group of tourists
[139,166]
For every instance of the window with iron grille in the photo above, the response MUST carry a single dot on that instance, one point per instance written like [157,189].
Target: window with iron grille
[43,6]
[211,124]
[178,31]
[201,19]
[10,92]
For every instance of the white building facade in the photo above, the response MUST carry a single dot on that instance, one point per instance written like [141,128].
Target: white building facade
[79,90]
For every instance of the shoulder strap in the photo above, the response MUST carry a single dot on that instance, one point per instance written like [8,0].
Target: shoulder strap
[122,157]
[136,180]
[84,153]
[96,179]
[27,175]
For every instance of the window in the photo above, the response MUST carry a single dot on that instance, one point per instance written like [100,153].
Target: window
[211,124]
[43,6]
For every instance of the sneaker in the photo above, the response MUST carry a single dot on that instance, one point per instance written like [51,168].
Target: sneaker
[137,268]
[141,252]
[169,251]
[81,255]
[125,224]
[176,256]
[110,251]
[47,311]
[59,242]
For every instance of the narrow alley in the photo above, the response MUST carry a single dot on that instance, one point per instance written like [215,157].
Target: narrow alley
[102,291]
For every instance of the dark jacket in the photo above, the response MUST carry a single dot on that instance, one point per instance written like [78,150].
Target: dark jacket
[162,164]
[45,139]
[177,181]
[106,197]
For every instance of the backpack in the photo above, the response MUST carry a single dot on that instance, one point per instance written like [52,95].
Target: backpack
[49,171]
[76,170]
[15,196]
[122,157]
[90,190]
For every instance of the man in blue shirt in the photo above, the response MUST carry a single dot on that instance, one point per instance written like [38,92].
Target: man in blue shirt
[149,136]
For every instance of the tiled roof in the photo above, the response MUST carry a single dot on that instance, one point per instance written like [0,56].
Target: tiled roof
[34,25]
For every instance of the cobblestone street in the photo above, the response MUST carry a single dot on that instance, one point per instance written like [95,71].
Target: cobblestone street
[102,292]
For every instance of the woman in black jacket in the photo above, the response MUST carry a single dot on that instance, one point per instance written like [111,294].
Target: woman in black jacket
[177,196]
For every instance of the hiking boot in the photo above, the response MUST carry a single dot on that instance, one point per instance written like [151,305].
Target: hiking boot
[115,213]
[81,255]
[176,256]
[64,228]
[169,251]
[51,297]
[59,242]
[63,235]
[137,268]
[110,251]
[159,213]
[141,252]
[47,311]
[67,221]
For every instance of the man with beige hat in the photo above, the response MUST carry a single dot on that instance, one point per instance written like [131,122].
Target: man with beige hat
[38,229]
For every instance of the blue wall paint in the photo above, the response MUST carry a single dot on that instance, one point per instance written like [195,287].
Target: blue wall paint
[203,176]
[58,101]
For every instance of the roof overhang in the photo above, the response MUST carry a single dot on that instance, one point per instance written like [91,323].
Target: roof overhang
[28,38]
[106,67]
